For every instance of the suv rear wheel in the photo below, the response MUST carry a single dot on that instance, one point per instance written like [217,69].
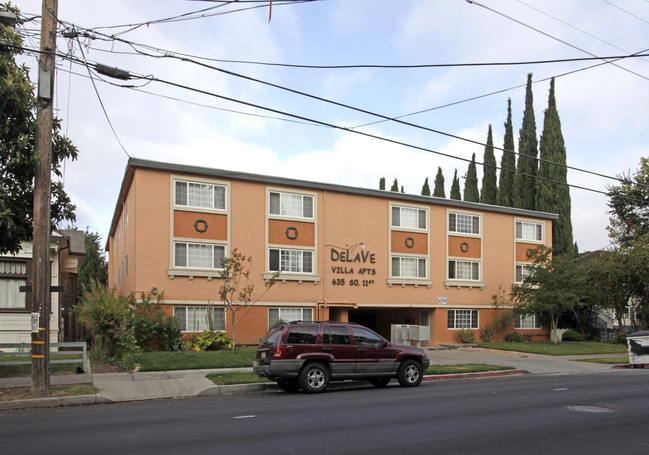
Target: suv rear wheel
[410,373]
[314,378]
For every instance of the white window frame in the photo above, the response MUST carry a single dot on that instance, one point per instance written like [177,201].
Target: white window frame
[219,203]
[458,323]
[187,244]
[473,265]
[525,226]
[220,324]
[406,259]
[468,224]
[290,254]
[402,222]
[524,271]
[527,322]
[291,205]
[288,314]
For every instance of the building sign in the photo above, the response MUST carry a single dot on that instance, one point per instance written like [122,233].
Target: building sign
[352,269]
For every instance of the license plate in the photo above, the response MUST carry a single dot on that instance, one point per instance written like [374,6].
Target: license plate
[263,355]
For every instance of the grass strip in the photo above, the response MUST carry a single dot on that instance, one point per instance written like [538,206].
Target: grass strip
[235,378]
[563,348]
[606,360]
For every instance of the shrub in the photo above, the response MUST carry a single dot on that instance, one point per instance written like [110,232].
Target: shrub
[209,340]
[619,339]
[105,313]
[571,335]
[514,337]
[153,327]
[466,335]
[486,334]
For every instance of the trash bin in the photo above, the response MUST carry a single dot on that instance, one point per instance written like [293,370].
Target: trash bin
[638,344]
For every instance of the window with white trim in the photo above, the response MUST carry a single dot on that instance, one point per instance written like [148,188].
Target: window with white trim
[198,255]
[290,260]
[462,319]
[530,231]
[196,318]
[522,270]
[408,267]
[201,195]
[13,275]
[463,270]
[289,314]
[408,217]
[528,321]
[291,204]
[463,223]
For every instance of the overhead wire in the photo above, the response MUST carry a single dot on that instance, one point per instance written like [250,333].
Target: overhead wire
[473,2]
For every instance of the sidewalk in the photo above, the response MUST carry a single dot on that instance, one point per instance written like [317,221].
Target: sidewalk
[120,387]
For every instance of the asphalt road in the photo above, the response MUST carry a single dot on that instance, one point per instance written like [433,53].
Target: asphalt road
[594,413]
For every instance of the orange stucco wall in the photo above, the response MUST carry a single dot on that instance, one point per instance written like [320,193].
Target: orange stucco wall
[347,277]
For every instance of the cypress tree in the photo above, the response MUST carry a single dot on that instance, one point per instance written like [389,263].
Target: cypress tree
[402,189]
[395,186]
[425,190]
[382,183]
[507,163]
[489,192]
[455,188]
[552,191]
[525,178]
[471,183]
[439,191]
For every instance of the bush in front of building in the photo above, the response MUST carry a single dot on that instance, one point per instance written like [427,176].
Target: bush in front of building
[208,340]
[153,328]
[487,334]
[514,337]
[571,335]
[466,335]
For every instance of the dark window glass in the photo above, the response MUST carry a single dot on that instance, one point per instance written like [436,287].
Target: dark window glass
[335,335]
[364,337]
[302,335]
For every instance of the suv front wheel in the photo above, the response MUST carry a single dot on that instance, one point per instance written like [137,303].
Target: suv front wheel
[314,378]
[410,373]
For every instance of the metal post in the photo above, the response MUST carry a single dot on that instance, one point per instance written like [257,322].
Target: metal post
[42,275]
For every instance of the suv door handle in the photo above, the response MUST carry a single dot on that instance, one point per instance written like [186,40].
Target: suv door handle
[362,350]
[327,349]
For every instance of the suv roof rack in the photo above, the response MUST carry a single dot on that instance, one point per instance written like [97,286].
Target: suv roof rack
[322,322]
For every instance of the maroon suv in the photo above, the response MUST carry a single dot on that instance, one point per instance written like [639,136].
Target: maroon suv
[308,355]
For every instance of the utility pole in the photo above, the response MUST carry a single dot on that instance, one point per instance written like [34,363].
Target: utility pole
[42,274]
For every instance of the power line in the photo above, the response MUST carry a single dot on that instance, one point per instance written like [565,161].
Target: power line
[552,37]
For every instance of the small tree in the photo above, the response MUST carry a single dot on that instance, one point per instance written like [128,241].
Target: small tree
[395,186]
[425,189]
[455,188]
[553,286]
[438,190]
[471,193]
[382,183]
[236,290]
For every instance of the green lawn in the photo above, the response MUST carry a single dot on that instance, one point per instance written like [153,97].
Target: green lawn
[14,371]
[563,348]
[607,360]
[193,360]
[235,378]
[464,368]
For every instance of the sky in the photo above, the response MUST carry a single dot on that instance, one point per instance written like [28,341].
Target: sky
[199,98]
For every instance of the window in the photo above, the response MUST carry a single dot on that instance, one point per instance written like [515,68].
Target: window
[196,318]
[198,255]
[294,261]
[408,217]
[302,335]
[463,223]
[463,270]
[364,337]
[528,321]
[462,319]
[291,204]
[202,195]
[13,274]
[522,270]
[408,267]
[526,230]
[288,315]
[335,335]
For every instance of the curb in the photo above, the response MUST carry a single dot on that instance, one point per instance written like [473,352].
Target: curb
[53,402]
[484,374]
